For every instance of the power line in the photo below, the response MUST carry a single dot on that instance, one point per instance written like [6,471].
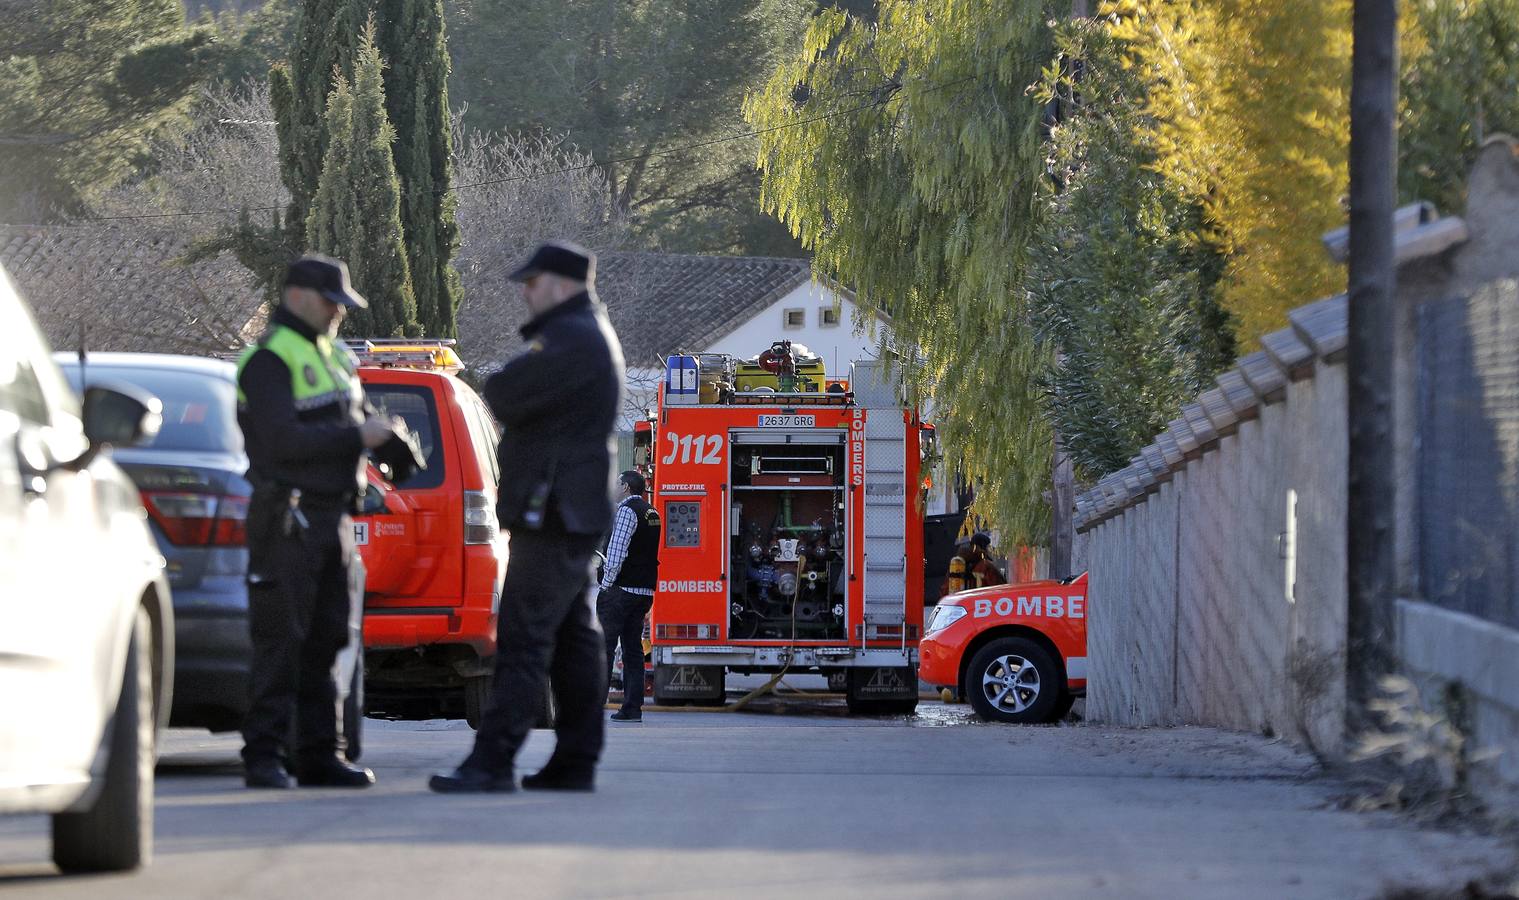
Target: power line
[655,154]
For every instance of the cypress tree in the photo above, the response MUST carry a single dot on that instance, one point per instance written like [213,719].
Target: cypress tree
[416,98]
[356,213]
[325,40]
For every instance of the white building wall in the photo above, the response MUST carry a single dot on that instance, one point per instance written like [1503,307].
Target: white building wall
[837,344]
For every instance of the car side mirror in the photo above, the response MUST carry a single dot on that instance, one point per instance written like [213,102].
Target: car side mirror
[121,415]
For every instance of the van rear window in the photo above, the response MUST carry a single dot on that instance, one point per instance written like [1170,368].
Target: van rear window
[416,407]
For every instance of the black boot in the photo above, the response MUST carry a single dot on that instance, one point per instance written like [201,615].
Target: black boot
[469,780]
[330,771]
[266,773]
[562,776]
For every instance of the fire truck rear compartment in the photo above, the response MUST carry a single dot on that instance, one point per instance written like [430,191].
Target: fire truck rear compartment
[786,530]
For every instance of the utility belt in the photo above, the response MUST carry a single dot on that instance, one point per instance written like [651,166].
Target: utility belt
[284,507]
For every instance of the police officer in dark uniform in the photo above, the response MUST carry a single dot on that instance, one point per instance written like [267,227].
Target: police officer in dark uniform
[627,588]
[557,402]
[306,427]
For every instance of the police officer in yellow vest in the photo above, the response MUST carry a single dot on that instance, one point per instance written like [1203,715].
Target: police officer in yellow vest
[306,427]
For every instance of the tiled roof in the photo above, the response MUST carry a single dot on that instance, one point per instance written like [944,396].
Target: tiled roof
[658,302]
[123,285]
[122,288]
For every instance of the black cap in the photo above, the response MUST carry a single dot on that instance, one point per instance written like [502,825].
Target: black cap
[326,276]
[558,258]
[981,539]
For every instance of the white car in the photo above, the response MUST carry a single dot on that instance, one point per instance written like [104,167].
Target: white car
[86,623]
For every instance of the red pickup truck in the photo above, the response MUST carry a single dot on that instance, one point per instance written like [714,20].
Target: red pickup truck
[1017,652]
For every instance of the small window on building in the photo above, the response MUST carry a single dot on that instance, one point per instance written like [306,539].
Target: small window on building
[828,316]
[796,318]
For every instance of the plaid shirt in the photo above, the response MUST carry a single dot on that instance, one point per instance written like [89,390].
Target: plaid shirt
[623,526]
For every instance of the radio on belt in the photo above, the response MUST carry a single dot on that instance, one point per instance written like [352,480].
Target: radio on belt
[793,531]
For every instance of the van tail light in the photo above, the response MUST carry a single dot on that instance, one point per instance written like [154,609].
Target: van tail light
[198,519]
[480,526]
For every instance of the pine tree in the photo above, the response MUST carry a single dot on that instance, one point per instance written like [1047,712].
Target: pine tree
[356,210]
[412,42]
[86,88]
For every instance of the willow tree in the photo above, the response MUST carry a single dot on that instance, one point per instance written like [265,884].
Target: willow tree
[906,156]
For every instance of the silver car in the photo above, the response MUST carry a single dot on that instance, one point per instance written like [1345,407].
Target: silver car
[86,619]
[191,480]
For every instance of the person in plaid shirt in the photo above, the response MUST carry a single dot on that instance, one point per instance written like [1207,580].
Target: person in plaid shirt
[627,588]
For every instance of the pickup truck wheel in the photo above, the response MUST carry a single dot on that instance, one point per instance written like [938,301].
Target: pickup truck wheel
[116,833]
[550,708]
[477,696]
[1013,680]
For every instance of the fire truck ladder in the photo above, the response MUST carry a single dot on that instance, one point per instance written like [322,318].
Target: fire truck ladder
[885,523]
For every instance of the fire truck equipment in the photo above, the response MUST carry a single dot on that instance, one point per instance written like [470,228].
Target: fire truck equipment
[784,368]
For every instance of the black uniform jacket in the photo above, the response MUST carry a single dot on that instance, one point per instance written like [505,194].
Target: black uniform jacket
[557,402]
[317,450]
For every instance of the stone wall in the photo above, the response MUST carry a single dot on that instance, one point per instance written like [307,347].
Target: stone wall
[1218,587]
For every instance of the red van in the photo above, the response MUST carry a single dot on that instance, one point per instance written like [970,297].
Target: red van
[433,549]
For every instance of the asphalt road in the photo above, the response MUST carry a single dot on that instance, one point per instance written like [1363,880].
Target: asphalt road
[810,803]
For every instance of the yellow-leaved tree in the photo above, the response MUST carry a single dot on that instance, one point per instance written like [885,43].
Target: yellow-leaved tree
[1250,100]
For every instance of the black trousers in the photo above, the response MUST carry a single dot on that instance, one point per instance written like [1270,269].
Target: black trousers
[622,614]
[546,634]
[299,597]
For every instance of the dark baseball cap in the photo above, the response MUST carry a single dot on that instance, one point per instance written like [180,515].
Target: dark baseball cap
[558,258]
[326,276]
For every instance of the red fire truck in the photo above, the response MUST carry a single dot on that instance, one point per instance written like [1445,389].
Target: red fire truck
[792,527]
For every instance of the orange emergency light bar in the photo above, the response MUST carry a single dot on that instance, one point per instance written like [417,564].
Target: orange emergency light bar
[406,353]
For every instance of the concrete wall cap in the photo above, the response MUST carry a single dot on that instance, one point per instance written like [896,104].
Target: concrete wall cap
[1165,442]
[1430,240]
[1156,461]
[1237,392]
[1291,353]
[1186,441]
[1197,420]
[1324,326]
[1218,411]
[1263,375]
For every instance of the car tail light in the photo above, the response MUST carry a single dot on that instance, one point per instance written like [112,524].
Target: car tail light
[198,519]
[480,526]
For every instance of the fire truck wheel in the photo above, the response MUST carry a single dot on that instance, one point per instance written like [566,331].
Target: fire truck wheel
[1014,680]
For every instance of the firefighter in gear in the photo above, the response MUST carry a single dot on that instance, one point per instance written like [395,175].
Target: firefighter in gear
[306,427]
[969,568]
